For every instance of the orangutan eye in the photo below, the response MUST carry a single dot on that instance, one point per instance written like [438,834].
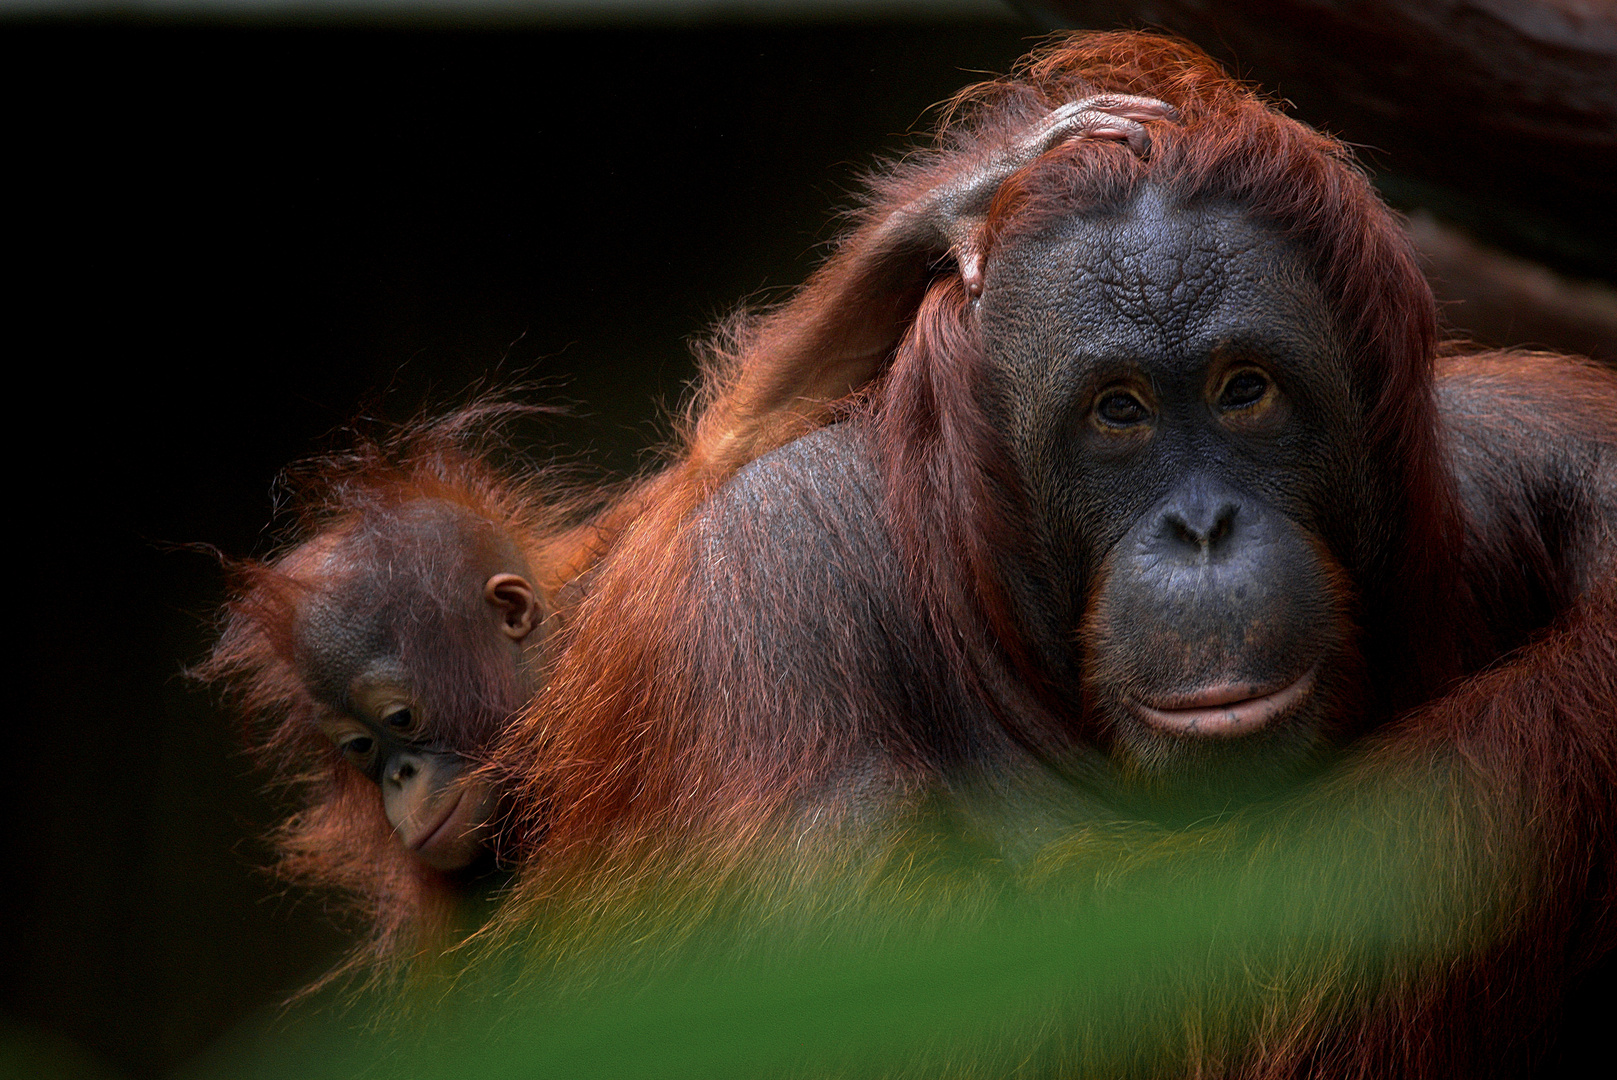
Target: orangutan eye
[1119,408]
[1243,389]
[401,720]
[357,749]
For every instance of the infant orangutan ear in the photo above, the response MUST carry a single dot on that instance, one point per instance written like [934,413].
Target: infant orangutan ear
[517,602]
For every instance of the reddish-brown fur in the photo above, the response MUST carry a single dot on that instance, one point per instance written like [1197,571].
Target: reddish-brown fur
[665,731]
[947,494]
[340,840]
[952,497]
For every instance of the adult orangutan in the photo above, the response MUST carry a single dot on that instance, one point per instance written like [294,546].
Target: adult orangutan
[1162,532]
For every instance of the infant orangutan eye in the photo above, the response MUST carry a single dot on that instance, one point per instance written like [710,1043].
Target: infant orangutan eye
[357,749]
[401,720]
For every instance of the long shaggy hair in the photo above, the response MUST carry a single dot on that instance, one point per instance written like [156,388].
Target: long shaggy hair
[361,504]
[615,752]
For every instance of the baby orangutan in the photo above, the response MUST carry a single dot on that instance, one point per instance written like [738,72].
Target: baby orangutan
[378,657]
[416,642]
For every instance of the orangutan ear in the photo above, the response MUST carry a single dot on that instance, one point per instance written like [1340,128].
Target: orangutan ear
[516,601]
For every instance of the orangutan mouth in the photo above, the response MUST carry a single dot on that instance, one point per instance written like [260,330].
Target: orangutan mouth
[1225,709]
[424,841]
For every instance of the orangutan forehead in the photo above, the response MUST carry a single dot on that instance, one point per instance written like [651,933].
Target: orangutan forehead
[1152,278]
[425,546]
[1171,256]
[406,570]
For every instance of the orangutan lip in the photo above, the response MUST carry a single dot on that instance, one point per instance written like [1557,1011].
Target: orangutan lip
[1225,710]
[428,836]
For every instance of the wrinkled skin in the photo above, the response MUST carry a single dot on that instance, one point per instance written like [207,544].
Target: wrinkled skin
[1178,407]
[838,332]
[1131,538]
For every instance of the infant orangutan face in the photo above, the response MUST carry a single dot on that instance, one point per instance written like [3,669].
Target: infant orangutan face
[440,810]
[424,614]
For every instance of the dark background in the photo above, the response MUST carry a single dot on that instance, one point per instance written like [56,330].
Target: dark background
[237,240]
[228,241]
